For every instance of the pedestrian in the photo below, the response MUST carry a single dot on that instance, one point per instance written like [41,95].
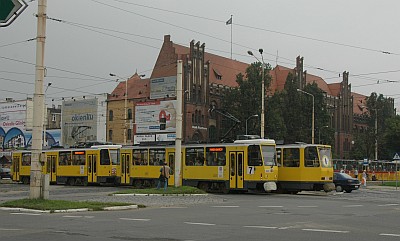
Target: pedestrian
[364,178]
[355,172]
[164,176]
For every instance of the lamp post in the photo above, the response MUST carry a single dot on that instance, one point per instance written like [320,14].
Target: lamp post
[248,119]
[262,89]
[45,120]
[312,123]
[319,133]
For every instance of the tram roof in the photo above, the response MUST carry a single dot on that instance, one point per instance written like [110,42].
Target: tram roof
[301,145]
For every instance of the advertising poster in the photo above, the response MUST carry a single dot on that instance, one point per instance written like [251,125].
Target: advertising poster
[12,124]
[149,117]
[163,87]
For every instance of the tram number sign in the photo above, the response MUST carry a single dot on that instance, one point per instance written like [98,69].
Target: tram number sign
[250,170]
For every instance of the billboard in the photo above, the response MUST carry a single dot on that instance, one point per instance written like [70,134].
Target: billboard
[163,87]
[79,121]
[149,114]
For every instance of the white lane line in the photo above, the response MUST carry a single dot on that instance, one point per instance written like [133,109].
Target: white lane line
[225,206]
[389,204]
[204,224]
[174,207]
[70,216]
[136,219]
[28,214]
[307,206]
[10,229]
[266,227]
[352,206]
[270,206]
[324,230]
[390,234]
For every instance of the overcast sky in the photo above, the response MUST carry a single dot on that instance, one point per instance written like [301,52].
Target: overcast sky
[98,37]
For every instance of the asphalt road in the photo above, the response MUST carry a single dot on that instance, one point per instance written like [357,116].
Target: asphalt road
[367,214]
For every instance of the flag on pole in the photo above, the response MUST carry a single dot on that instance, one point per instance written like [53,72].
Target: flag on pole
[229,21]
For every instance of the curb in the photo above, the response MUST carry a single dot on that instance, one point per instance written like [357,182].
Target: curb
[159,195]
[67,210]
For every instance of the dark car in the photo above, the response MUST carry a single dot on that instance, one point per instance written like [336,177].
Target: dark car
[5,172]
[345,182]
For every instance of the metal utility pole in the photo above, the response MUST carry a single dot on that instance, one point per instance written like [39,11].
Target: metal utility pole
[376,134]
[312,116]
[39,188]
[179,122]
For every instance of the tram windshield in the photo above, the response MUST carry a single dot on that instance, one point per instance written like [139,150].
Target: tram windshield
[325,156]
[269,154]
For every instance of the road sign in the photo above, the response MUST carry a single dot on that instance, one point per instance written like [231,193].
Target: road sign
[396,157]
[10,10]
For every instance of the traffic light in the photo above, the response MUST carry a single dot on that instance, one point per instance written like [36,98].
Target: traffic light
[163,122]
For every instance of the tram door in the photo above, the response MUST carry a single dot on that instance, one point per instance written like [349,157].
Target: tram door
[51,167]
[236,169]
[15,173]
[125,168]
[171,164]
[92,168]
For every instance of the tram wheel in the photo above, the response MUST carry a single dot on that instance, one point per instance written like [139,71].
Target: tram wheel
[25,180]
[71,181]
[203,186]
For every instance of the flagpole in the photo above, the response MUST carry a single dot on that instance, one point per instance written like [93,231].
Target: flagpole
[231,33]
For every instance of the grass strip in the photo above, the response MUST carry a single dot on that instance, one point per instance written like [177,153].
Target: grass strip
[52,205]
[170,190]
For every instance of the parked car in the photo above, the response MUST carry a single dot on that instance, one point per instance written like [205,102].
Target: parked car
[5,173]
[345,182]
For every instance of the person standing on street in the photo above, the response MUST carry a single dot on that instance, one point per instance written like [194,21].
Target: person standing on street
[364,178]
[164,176]
[356,172]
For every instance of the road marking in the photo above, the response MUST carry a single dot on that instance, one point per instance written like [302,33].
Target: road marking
[390,204]
[174,207]
[352,206]
[10,229]
[324,230]
[70,216]
[29,214]
[390,234]
[204,224]
[136,219]
[270,206]
[307,206]
[225,206]
[266,227]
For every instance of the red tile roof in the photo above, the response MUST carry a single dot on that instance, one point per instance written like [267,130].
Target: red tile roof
[359,104]
[137,88]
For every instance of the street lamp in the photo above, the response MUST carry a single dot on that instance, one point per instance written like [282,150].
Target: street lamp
[248,119]
[312,124]
[45,121]
[262,89]
[319,133]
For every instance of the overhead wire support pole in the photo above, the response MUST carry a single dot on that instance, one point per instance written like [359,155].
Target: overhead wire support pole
[38,189]
[312,117]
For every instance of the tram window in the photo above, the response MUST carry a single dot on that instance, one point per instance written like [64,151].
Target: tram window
[269,154]
[171,160]
[157,157]
[291,157]
[240,164]
[255,158]
[215,156]
[64,158]
[114,157]
[78,158]
[311,157]
[26,159]
[104,157]
[139,157]
[194,157]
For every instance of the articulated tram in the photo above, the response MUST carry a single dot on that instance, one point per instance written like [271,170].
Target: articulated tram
[98,164]
[305,167]
[242,166]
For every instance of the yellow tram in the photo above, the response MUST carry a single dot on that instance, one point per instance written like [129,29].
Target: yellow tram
[243,165]
[304,167]
[98,164]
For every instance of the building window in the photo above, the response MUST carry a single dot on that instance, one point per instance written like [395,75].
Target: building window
[129,134]
[110,115]
[110,133]
[53,117]
[129,114]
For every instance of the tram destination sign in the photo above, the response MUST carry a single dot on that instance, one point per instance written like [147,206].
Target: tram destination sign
[10,10]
